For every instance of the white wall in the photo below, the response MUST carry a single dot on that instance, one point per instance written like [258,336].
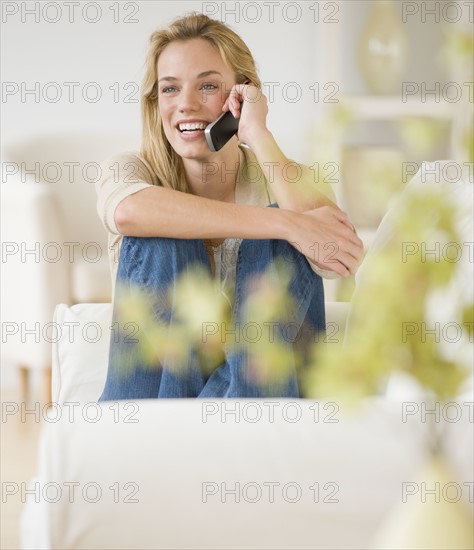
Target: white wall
[290,44]
[97,55]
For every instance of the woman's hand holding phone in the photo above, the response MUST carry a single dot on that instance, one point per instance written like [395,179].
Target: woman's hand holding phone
[248,104]
[324,235]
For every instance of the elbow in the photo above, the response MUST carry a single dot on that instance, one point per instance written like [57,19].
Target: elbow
[123,217]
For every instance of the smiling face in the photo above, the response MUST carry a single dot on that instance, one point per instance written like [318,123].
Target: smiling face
[193,83]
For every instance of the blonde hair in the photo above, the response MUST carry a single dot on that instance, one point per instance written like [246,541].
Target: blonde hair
[155,148]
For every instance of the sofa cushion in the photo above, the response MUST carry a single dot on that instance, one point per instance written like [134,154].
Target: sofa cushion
[80,352]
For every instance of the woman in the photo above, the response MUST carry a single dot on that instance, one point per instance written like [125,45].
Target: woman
[178,204]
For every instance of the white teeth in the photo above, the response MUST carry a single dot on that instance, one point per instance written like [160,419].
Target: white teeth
[192,126]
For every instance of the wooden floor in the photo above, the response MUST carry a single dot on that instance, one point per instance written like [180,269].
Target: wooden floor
[19,440]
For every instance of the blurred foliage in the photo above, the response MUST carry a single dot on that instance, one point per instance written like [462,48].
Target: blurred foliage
[457,56]
[202,325]
[338,119]
[268,308]
[345,289]
[394,292]
[392,296]
[458,50]
[198,307]
[421,135]
[467,142]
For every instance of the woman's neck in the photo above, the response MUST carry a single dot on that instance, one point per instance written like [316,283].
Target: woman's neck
[214,179]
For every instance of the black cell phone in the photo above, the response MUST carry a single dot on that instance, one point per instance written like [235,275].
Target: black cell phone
[221,130]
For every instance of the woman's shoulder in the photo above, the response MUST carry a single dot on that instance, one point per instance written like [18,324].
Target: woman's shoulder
[131,165]
[120,159]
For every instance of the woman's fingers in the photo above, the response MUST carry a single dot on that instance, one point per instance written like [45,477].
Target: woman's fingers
[339,259]
[355,244]
[336,266]
[349,234]
[338,247]
[350,252]
[242,93]
[349,262]
[232,104]
[344,218]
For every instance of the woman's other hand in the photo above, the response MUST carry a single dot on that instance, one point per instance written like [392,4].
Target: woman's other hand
[327,238]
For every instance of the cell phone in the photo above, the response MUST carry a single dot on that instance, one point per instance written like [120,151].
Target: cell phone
[221,130]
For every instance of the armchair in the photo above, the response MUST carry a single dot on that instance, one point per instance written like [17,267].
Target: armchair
[54,249]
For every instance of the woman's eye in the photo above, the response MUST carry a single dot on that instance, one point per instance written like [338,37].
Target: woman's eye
[168,90]
[209,87]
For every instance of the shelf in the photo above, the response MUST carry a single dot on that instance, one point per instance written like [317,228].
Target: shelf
[392,107]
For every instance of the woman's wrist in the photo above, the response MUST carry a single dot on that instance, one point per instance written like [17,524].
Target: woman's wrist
[284,224]
[261,141]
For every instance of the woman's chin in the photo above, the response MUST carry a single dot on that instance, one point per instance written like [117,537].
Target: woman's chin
[193,150]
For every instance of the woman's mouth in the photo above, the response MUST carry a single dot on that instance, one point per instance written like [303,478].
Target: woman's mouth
[192,128]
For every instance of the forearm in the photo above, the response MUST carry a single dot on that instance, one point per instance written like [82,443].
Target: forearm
[292,191]
[162,212]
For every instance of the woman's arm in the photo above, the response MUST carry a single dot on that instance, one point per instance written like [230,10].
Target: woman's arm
[293,185]
[321,234]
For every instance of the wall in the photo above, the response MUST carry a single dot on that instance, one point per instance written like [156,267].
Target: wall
[108,57]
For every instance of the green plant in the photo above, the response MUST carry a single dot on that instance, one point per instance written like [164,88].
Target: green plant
[394,294]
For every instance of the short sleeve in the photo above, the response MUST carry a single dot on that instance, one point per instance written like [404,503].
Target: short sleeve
[122,175]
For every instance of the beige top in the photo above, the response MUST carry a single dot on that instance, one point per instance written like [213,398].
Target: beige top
[127,173]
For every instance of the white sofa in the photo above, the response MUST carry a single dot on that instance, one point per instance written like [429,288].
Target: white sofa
[225,473]
[216,473]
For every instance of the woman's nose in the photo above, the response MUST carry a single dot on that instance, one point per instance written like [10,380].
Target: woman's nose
[190,100]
